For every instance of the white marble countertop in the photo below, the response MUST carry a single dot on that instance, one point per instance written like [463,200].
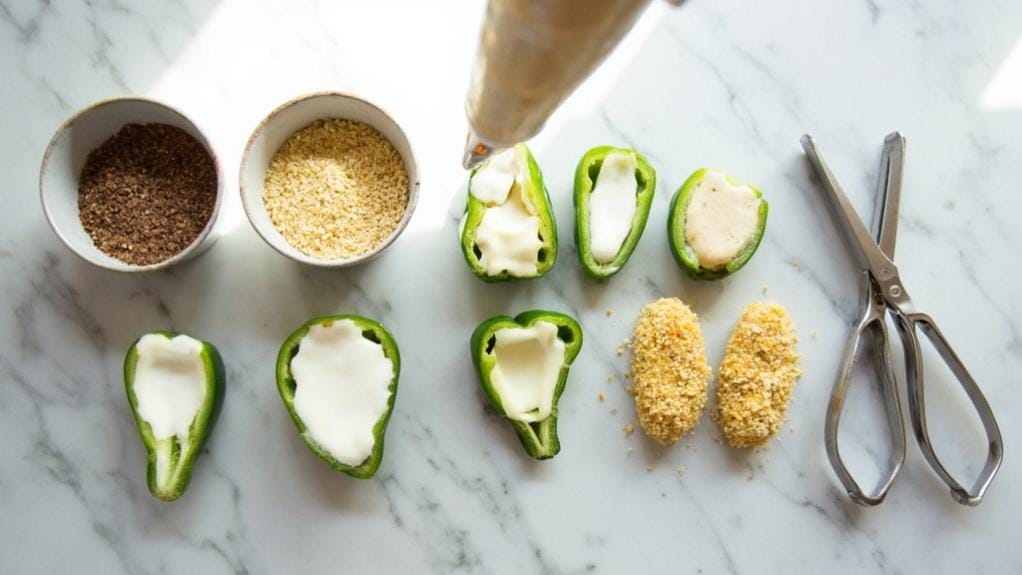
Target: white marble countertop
[725,83]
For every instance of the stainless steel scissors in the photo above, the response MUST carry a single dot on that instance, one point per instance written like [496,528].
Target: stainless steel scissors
[883,291]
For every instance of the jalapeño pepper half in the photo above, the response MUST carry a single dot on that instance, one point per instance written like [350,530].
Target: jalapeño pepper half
[731,219]
[508,231]
[175,387]
[335,360]
[595,217]
[523,363]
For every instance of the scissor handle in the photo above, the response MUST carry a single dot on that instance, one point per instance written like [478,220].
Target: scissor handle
[874,325]
[907,320]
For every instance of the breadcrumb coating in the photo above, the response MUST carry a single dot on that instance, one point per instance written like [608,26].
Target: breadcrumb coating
[757,375]
[669,370]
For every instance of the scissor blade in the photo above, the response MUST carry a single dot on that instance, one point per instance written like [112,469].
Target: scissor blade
[888,200]
[859,238]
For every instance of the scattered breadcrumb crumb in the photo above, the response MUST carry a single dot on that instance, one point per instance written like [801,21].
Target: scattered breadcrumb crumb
[794,263]
[757,375]
[649,469]
[621,347]
[613,410]
[630,390]
[610,378]
[680,471]
[670,370]
[628,429]
[601,396]
[812,334]
[765,288]
[609,312]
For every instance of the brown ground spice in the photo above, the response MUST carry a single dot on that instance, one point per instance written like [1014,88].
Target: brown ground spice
[146,193]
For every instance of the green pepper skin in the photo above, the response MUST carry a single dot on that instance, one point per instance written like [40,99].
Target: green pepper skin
[537,192]
[286,386]
[684,255]
[585,179]
[538,438]
[202,425]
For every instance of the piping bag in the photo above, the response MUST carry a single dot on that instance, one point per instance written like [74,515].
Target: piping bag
[532,55]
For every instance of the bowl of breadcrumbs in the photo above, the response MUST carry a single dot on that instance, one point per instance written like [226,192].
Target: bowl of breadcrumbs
[329,179]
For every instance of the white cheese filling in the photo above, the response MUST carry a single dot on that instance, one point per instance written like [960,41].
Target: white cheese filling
[508,234]
[169,387]
[169,384]
[528,361]
[612,206]
[341,389]
[720,220]
[492,181]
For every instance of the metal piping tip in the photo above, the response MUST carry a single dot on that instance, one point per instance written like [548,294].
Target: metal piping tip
[476,151]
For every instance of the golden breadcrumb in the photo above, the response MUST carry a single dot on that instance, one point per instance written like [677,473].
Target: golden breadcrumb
[757,375]
[669,370]
[336,189]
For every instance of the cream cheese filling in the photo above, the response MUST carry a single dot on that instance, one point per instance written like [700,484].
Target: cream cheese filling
[169,384]
[720,220]
[612,206]
[169,387]
[342,385]
[527,364]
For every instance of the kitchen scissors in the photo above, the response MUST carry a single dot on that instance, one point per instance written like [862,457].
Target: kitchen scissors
[882,292]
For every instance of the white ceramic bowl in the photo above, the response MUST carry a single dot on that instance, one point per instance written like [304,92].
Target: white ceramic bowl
[64,158]
[287,119]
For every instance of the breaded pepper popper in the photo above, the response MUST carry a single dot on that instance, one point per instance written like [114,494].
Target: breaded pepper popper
[757,375]
[669,370]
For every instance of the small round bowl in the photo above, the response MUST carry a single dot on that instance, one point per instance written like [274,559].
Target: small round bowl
[291,117]
[65,156]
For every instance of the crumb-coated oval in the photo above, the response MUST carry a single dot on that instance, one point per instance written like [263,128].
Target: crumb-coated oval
[757,375]
[669,369]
